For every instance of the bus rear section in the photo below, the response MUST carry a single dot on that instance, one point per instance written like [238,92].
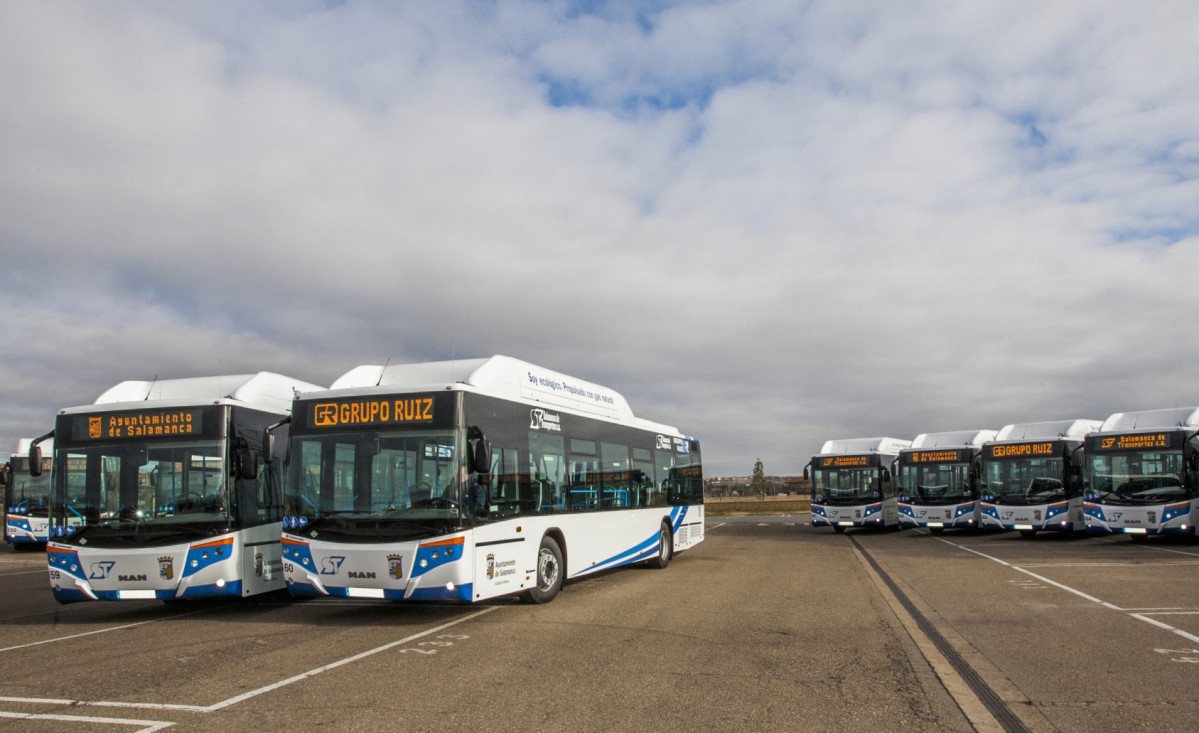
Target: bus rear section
[160,491]
[852,484]
[1141,473]
[26,500]
[938,480]
[472,479]
[1032,477]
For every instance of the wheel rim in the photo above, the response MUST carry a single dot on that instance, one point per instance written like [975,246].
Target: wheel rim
[663,545]
[547,570]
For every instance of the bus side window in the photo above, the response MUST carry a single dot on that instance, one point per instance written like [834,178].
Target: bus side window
[615,474]
[643,477]
[547,468]
[584,483]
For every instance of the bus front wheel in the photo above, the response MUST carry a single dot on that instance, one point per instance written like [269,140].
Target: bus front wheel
[549,573]
[665,548]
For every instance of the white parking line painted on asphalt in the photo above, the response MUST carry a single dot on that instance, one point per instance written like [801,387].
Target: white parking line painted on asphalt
[1075,591]
[146,726]
[252,693]
[102,631]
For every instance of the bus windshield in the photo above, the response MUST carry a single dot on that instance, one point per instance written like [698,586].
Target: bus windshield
[936,483]
[377,485]
[1137,478]
[141,491]
[1025,481]
[847,486]
[27,494]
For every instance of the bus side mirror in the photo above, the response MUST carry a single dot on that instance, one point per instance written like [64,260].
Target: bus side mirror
[481,456]
[35,460]
[5,471]
[268,446]
[247,464]
[805,473]
[269,443]
[478,451]
[886,476]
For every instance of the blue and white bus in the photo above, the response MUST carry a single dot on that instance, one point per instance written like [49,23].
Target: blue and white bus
[852,485]
[1032,477]
[159,491]
[938,480]
[1142,473]
[26,500]
[470,479]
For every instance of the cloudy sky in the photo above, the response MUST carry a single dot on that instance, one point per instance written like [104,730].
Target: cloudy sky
[767,223]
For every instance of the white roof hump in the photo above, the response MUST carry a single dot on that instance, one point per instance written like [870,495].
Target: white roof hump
[954,439]
[263,389]
[24,444]
[1051,430]
[502,376]
[1173,417]
[889,446]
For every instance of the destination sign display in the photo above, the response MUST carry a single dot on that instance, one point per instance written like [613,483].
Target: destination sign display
[1173,440]
[377,411]
[935,456]
[128,424]
[1037,449]
[863,461]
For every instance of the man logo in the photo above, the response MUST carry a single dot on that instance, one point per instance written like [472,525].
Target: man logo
[324,415]
[166,568]
[101,569]
[332,564]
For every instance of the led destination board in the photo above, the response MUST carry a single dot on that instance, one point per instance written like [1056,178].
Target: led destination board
[175,422]
[934,456]
[1042,449]
[1137,441]
[374,411]
[847,461]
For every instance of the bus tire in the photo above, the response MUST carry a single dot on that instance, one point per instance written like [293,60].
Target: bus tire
[665,548]
[550,570]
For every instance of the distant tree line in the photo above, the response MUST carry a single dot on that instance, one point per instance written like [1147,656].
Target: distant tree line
[744,486]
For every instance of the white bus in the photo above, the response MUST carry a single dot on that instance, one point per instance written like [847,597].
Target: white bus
[160,492]
[1142,473]
[470,479]
[1032,477]
[852,484]
[938,480]
[26,500]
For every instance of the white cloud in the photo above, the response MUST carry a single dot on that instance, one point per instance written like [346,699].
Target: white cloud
[767,226]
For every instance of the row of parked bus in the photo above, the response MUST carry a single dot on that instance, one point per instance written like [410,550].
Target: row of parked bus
[1136,473]
[457,480]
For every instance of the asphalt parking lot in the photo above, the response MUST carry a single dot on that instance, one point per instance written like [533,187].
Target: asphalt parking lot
[767,625]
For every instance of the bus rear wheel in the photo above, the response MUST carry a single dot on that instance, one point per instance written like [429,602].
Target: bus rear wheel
[549,573]
[665,548]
